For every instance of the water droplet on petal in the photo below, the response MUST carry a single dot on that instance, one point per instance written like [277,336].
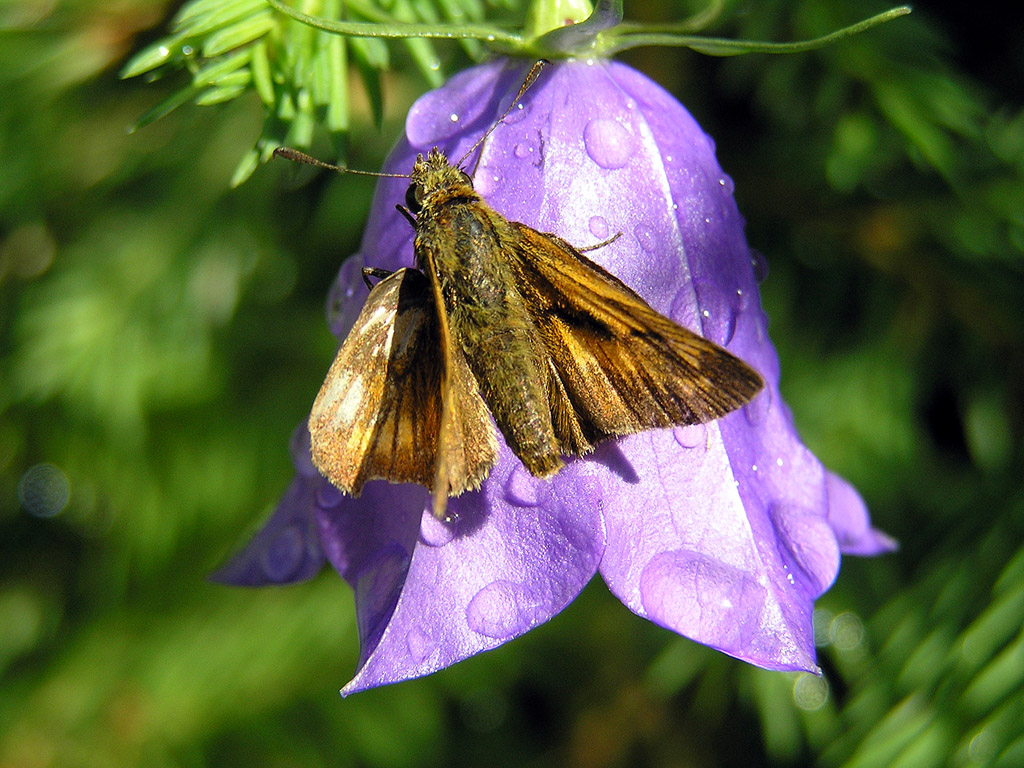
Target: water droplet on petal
[420,645]
[608,143]
[718,313]
[517,115]
[434,532]
[807,543]
[284,554]
[760,265]
[522,150]
[327,496]
[524,490]
[727,184]
[501,610]
[691,436]
[757,409]
[599,227]
[646,238]
[702,597]
[742,299]
[487,181]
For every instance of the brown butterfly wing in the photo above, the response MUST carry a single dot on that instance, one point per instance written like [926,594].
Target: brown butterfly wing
[617,366]
[379,413]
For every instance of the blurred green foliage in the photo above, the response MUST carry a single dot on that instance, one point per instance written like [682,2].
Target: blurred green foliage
[161,334]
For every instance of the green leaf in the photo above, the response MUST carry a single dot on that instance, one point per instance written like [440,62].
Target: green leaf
[261,77]
[153,56]
[237,35]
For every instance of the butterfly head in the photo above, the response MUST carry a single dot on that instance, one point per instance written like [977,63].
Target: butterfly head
[434,180]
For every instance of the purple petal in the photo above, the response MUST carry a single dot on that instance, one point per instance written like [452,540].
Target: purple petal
[430,593]
[848,516]
[287,548]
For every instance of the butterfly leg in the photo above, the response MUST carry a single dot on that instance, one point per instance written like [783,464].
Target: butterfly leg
[585,249]
[602,244]
[405,212]
[377,272]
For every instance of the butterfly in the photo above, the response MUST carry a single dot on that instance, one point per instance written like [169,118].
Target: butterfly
[501,321]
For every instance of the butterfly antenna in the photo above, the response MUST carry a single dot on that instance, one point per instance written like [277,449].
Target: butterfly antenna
[531,78]
[301,157]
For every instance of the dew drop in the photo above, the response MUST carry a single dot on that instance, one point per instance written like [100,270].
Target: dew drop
[516,115]
[284,554]
[419,644]
[524,490]
[453,117]
[487,181]
[608,143]
[719,316]
[760,265]
[599,227]
[691,436]
[187,50]
[685,590]
[522,151]
[757,409]
[501,610]
[646,238]
[434,532]
[727,184]
[742,299]
[327,496]
[164,51]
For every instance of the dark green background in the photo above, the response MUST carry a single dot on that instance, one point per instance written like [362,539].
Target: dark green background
[161,334]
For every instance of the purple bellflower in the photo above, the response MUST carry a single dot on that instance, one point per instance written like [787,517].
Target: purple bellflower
[723,532]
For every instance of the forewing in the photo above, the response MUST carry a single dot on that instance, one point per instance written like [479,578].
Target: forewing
[378,412]
[617,366]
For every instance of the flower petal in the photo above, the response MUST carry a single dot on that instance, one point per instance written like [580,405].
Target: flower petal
[429,593]
[287,547]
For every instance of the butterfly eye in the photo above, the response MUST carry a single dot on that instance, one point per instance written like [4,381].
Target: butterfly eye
[414,198]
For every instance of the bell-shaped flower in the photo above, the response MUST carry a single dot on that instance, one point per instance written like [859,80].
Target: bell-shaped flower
[724,532]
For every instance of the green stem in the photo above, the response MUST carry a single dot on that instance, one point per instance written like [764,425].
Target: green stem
[715,46]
